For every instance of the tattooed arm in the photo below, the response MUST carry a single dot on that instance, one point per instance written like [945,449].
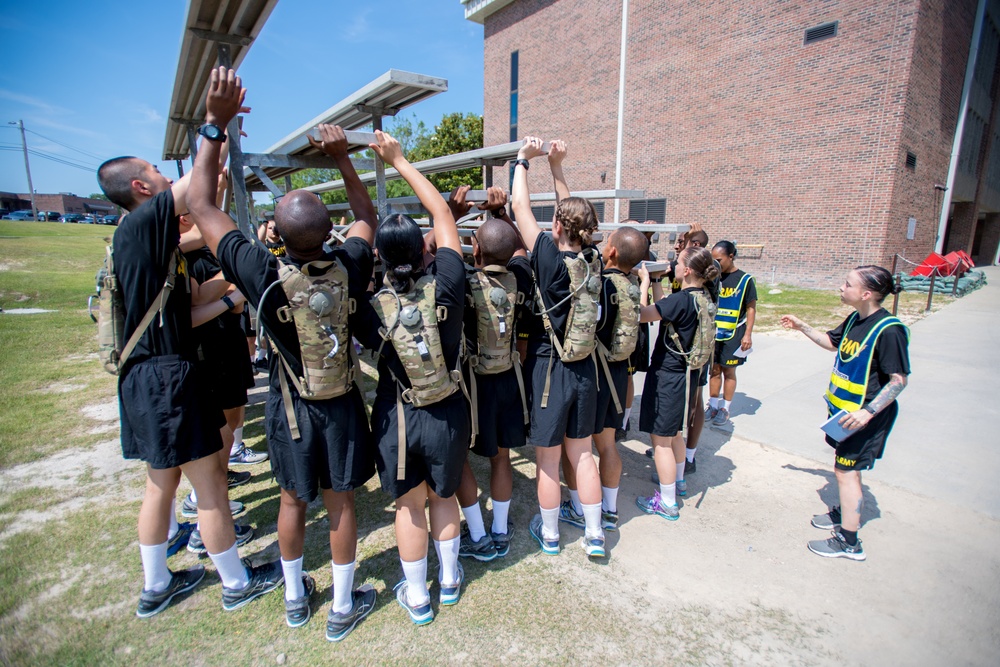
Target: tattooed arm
[820,338]
[888,393]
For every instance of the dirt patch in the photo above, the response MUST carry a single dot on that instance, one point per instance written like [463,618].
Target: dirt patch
[61,388]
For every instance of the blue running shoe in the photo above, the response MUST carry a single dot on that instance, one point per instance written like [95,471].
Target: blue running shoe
[421,614]
[550,547]
[594,546]
[568,514]
[451,594]
[654,505]
[682,487]
[180,538]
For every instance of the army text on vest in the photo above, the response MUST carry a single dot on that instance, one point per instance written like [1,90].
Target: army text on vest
[851,371]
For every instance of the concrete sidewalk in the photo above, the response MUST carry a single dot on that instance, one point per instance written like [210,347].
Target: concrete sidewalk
[945,440]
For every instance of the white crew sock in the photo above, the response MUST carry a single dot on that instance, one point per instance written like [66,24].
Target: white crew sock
[713,402]
[173,520]
[500,510]
[550,523]
[154,566]
[668,494]
[237,439]
[474,520]
[448,558]
[592,520]
[680,471]
[343,586]
[231,570]
[609,499]
[416,581]
[293,578]
[724,404]
[574,498]
[628,413]
[690,454]
[194,497]
[260,354]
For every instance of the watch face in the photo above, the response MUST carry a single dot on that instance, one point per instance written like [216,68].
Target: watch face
[211,131]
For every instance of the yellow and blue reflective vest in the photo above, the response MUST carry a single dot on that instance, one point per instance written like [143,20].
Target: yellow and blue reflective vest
[849,380]
[727,317]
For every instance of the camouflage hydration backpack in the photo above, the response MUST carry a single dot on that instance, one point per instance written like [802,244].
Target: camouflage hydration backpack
[626,328]
[493,295]
[318,306]
[702,345]
[580,337]
[112,348]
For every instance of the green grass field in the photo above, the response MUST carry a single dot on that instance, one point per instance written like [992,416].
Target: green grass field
[70,573]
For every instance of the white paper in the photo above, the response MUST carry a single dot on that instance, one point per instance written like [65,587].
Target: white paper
[742,353]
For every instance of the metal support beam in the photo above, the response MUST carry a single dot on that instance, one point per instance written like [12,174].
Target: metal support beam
[380,195]
[269,160]
[221,38]
[268,183]
[377,111]
[288,183]
[236,162]
[180,168]
[192,141]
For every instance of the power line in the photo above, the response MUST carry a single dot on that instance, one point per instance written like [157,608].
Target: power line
[53,158]
[55,141]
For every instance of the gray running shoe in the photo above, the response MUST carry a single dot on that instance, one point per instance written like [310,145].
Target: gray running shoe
[450,595]
[482,550]
[710,412]
[721,417]
[243,535]
[682,487]
[237,478]
[263,579]
[298,611]
[828,521]
[609,520]
[420,614]
[690,467]
[189,508]
[594,546]
[180,538]
[244,456]
[567,514]
[550,547]
[152,603]
[837,547]
[501,541]
[654,505]
[339,626]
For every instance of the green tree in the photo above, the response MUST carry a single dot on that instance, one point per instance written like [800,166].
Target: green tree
[98,195]
[455,133]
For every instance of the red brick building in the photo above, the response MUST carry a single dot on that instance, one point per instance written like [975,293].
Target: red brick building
[809,132]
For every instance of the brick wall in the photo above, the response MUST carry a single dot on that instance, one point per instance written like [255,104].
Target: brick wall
[739,125]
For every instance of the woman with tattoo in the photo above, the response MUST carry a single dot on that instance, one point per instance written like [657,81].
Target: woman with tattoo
[869,372]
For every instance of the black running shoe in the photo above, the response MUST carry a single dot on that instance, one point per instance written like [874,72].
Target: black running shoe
[263,579]
[237,478]
[152,603]
[690,467]
[339,626]
[298,611]
[243,535]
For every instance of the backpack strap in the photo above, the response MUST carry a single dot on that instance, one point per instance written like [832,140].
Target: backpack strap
[286,396]
[602,354]
[159,303]
[520,386]
[555,346]
[400,435]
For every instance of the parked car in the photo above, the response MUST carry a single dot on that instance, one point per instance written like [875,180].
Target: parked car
[109,220]
[88,220]
[71,217]
[19,215]
[48,216]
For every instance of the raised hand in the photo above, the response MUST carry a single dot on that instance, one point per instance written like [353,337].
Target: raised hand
[332,140]
[225,97]
[387,148]
[457,203]
[791,322]
[532,148]
[495,198]
[557,151]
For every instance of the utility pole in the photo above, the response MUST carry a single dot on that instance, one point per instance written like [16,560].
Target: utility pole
[27,168]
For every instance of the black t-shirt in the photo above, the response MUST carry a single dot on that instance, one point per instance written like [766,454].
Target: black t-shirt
[732,281]
[449,270]
[711,287]
[529,322]
[217,335]
[253,269]
[552,279]
[525,284]
[609,310]
[143,244]
[677,308]
[891,350]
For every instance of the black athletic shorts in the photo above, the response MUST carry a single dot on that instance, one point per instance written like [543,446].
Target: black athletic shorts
[501,414]
[334,449]
[661,411]
[607,415]
[726,349]
[229,377]
[860,451]
[168,417]
[437,443]
[572,400]
[247,324]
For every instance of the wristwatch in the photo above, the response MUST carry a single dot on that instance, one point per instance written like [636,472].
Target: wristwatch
[868,409]
[522,162]
[499,213]
[229,302]
[212,132]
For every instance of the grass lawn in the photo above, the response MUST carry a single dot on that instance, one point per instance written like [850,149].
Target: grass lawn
[70,573]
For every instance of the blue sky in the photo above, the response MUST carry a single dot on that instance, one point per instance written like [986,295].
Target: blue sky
[92,80]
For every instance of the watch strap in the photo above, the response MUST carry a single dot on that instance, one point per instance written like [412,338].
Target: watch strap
[522,162]
[229,302]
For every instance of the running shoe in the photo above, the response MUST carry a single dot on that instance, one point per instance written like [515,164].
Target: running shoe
[243,535]
[180,538]
[482,550]
[710,412]
[690,467]
[649,452]
[421,614]
[502,540]
[721,417]
[153,602]
[609,520]
[340,625]
[837,547]
[567,514]
[828,521]
[654,505]
[260,365]
[594,546]
[263,579]
[682,487]
[189,508]
[237,478]
[298,611]
[451,594]
[550,547]
[620,434]
[244,456]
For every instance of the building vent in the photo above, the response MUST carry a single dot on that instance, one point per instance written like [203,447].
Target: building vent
[821,32]
[545,213]
[911,160]
[648,209]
